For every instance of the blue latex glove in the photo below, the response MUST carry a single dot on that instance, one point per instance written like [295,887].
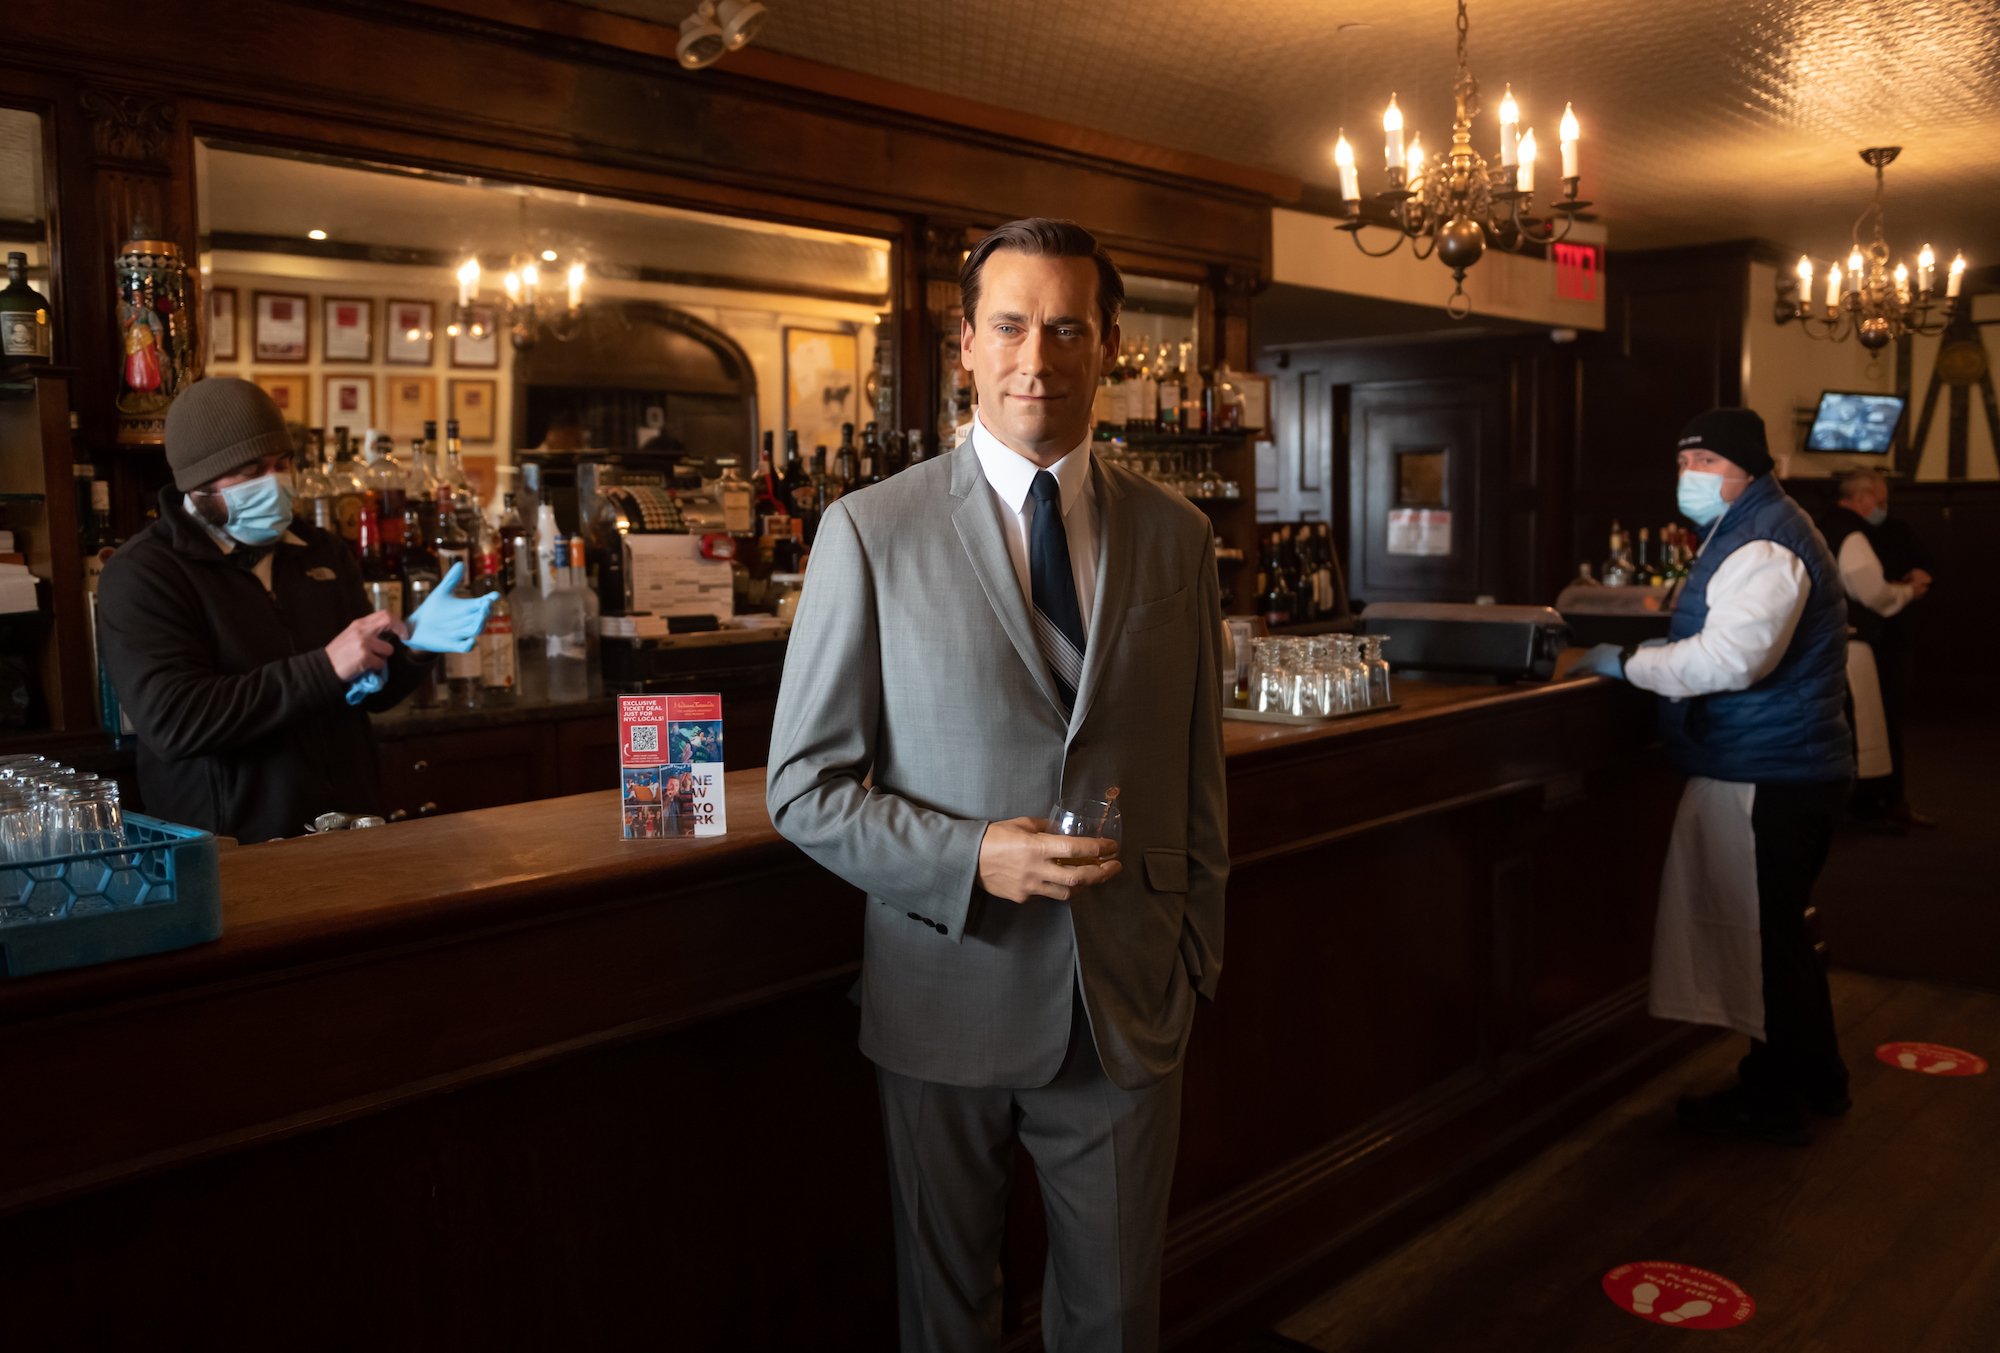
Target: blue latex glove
[446,623]
[1606,660]
[367,684]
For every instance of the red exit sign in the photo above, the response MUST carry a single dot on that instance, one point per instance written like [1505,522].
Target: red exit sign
[1579,271]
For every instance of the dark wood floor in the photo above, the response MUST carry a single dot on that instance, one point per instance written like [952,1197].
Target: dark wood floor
[1882,1237]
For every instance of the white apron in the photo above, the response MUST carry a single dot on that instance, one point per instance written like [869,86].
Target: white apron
[1708,953]
[1871,725]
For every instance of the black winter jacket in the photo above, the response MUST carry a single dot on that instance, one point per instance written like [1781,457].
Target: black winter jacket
[243,727]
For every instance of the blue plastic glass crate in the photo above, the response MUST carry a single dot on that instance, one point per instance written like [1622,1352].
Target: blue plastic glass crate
[157,891]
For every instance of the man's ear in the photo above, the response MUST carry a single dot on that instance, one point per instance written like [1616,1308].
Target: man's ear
[965,342]
[1107,356]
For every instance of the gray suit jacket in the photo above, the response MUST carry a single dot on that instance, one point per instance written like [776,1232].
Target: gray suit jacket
[916,708]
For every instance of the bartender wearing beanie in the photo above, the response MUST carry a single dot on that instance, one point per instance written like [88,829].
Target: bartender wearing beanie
[232,632]
[1753,682]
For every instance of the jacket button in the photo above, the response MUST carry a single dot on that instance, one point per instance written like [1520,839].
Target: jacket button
[943,929]
[915,917]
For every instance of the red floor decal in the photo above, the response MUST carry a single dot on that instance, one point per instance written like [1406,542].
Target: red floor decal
[1930,1059]
[1675,1294]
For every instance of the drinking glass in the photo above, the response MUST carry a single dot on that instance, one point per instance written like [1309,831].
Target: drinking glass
[1088,815]
[1378,667]
[20,825]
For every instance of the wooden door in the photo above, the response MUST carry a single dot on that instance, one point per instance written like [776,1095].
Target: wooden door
[1422,458]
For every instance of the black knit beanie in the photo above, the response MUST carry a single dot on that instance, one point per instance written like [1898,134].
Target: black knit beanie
[219,425]
[1737,435]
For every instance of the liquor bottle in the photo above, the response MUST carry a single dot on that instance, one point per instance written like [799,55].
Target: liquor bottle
[1103,418]
[461,670]
[797,480]
[516,543]
[1617,571]
[871,457]
[419,565]
[846,475]
[497,666]
[1323,539]
[452,475]
[378,579]
[1191,393]
[388,479]
[315,485]
[915,438]
[815,495]
[1276,600]
[1143,410]
[770,493]
[420,484]
[1168,394]
[24,318]
[99,541]
[349,492]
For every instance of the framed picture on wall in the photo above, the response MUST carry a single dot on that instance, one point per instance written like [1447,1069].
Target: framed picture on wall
[480,351]
[413,400]
[222,324]
[348,326]
[281,331]
[822,385]
[472,404]
[292,395]
[406,341]
[350,404]
[1256,391]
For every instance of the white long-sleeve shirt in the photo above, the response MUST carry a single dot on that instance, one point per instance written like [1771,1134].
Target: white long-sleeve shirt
[1755,599]
[1861,575]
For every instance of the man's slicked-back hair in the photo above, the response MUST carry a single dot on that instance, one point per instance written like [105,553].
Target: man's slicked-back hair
[1853,481]
[1040,235]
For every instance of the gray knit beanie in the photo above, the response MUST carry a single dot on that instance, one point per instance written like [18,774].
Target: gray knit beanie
[219,425]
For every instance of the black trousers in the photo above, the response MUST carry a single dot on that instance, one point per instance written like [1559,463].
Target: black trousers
[1799,1055]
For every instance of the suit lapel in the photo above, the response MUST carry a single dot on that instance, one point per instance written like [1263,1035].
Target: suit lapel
[1114,581]
[979,532]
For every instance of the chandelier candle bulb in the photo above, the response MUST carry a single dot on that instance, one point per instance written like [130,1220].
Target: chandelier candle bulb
[1955,278]
[1832,287]
[1571,133]
[1926,269]
[1902,282]
[575,285]
[511,284]
[1854,266]
[1510,129]
[1805,278]
[1350,177]
[1416,157]
[1525,179]
[1392,131]
[468,281]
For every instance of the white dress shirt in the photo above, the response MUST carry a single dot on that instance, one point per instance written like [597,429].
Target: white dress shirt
[1861,575]
[1011,475]
[1755,599]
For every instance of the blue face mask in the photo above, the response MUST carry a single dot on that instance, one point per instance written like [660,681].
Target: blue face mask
[259,509]
[1700,496]
[1878,516]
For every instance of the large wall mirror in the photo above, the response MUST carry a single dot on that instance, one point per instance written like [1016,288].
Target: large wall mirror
[24,216]
[372,298]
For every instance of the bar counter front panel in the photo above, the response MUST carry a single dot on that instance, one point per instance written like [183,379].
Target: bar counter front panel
[500,1080]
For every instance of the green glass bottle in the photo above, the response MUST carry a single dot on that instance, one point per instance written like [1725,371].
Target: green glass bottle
[24,317]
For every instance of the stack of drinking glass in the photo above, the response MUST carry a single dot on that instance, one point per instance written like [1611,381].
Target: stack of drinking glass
[1318,677]
[49,811]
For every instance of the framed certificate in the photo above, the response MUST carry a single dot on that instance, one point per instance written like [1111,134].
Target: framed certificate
[413,401]
[281,331]
[350,404]
[406,341]
[222,324]
[481,352]
[472,404]
[292,395]
[348,326]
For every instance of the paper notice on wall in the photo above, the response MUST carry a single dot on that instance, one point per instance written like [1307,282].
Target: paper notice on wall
[1420,531]
[670,769]
[669,577]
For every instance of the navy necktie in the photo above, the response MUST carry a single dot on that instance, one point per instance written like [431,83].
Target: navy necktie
[1058,618]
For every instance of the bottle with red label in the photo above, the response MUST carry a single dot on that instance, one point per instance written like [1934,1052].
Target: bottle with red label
[496,642]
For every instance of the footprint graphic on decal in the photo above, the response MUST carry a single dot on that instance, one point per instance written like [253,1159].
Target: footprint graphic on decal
[1908,1061]
[1689,1310]
[1937,1067]
[1643,1297]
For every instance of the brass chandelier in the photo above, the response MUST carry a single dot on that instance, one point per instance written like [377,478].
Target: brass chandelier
[1459,205]
[1871,301]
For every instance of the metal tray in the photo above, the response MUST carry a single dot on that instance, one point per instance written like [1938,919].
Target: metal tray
[1303,720]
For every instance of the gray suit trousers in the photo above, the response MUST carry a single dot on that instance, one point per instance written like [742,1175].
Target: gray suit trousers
[1105,1161]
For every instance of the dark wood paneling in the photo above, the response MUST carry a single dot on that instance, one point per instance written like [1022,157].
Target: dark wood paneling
[1465,421]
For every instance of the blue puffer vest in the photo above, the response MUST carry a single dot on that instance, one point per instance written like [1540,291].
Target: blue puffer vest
[1791,727]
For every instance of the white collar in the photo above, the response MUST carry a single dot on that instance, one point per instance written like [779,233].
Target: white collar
[225,542]
[1012,474]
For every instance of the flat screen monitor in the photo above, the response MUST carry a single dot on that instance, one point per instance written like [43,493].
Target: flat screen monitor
[1850,421]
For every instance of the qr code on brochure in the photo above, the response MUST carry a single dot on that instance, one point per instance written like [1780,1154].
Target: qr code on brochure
[645,737]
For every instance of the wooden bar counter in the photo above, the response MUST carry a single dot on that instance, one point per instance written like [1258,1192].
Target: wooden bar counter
[500,1080]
